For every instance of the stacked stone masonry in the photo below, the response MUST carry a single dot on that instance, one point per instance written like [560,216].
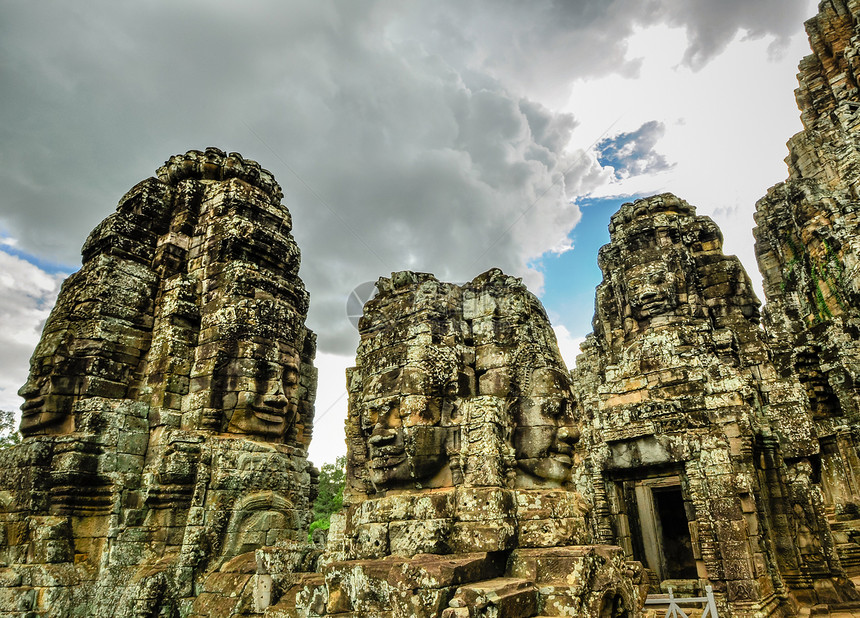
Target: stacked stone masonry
[696,449]
[701,440]
[807,250]
[169,405]
[460,456]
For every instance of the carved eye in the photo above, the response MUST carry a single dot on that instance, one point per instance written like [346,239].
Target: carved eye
[267,372]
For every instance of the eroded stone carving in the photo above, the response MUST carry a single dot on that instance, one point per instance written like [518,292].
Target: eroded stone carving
[460,455]
[405,420]
[807,249]
[168,410]
[545,429]
[690,424]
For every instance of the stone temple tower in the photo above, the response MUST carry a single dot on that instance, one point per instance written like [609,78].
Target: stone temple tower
[459,499]
[689,427]
[808,250]
[170,401]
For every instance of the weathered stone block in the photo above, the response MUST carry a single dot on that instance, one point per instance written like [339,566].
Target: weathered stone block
[432,571]
[428,536]
[502,597]
[551,532]
[370,541]
[483,503]
[496,535]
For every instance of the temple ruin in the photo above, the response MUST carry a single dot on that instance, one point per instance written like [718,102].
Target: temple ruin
[702,442]
[808,248]
[460,438]
[169,405]
[697,449]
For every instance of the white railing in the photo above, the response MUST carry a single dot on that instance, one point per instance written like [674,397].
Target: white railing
[674,610]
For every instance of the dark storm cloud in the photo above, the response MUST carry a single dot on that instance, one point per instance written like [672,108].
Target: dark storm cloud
[401,132]
[633,153]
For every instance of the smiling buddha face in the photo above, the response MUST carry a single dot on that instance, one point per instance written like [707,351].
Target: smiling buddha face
[261,397]
[651,289]
[401,422]
[545,432]
[52,387]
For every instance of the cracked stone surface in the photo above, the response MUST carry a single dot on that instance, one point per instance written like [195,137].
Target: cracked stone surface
[460,461]
[807,249]
[169,405]
[680,401]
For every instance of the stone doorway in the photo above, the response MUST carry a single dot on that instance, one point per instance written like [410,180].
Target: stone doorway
[659,531]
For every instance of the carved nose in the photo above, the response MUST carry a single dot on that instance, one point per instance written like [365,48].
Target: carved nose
[276,398]
[276,401]
[30,389]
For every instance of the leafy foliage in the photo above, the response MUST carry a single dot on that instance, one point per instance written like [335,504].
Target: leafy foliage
[9,435]
[330,496]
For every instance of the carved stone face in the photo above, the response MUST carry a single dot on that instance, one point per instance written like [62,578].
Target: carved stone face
[50,391]
[402,428]
[261,397]
[651,289]
[545,432]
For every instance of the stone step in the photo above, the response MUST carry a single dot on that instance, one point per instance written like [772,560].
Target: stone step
[849,556]
[502,597]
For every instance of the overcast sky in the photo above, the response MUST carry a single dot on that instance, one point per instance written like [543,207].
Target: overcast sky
[443,136]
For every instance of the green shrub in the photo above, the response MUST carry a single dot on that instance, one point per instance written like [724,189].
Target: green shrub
[9,435]
[330,496]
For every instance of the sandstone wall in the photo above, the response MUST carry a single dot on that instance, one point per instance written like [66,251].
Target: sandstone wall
[460,499]
[807,249]
[683,403]
[169,405]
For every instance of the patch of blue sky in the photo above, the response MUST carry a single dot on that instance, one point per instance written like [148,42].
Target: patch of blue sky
[608,155]
[8,246]
[570,278]
[633,153]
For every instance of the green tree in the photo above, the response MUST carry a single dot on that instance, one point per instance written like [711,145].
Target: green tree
[9,435]
[330,496]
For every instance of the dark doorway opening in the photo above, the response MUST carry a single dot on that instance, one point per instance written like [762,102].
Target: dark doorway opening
[676,543]
[654,526]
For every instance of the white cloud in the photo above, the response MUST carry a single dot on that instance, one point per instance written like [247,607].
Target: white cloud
[568,345]
[331,405]
[725,125]
[406,158]
[433,135]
